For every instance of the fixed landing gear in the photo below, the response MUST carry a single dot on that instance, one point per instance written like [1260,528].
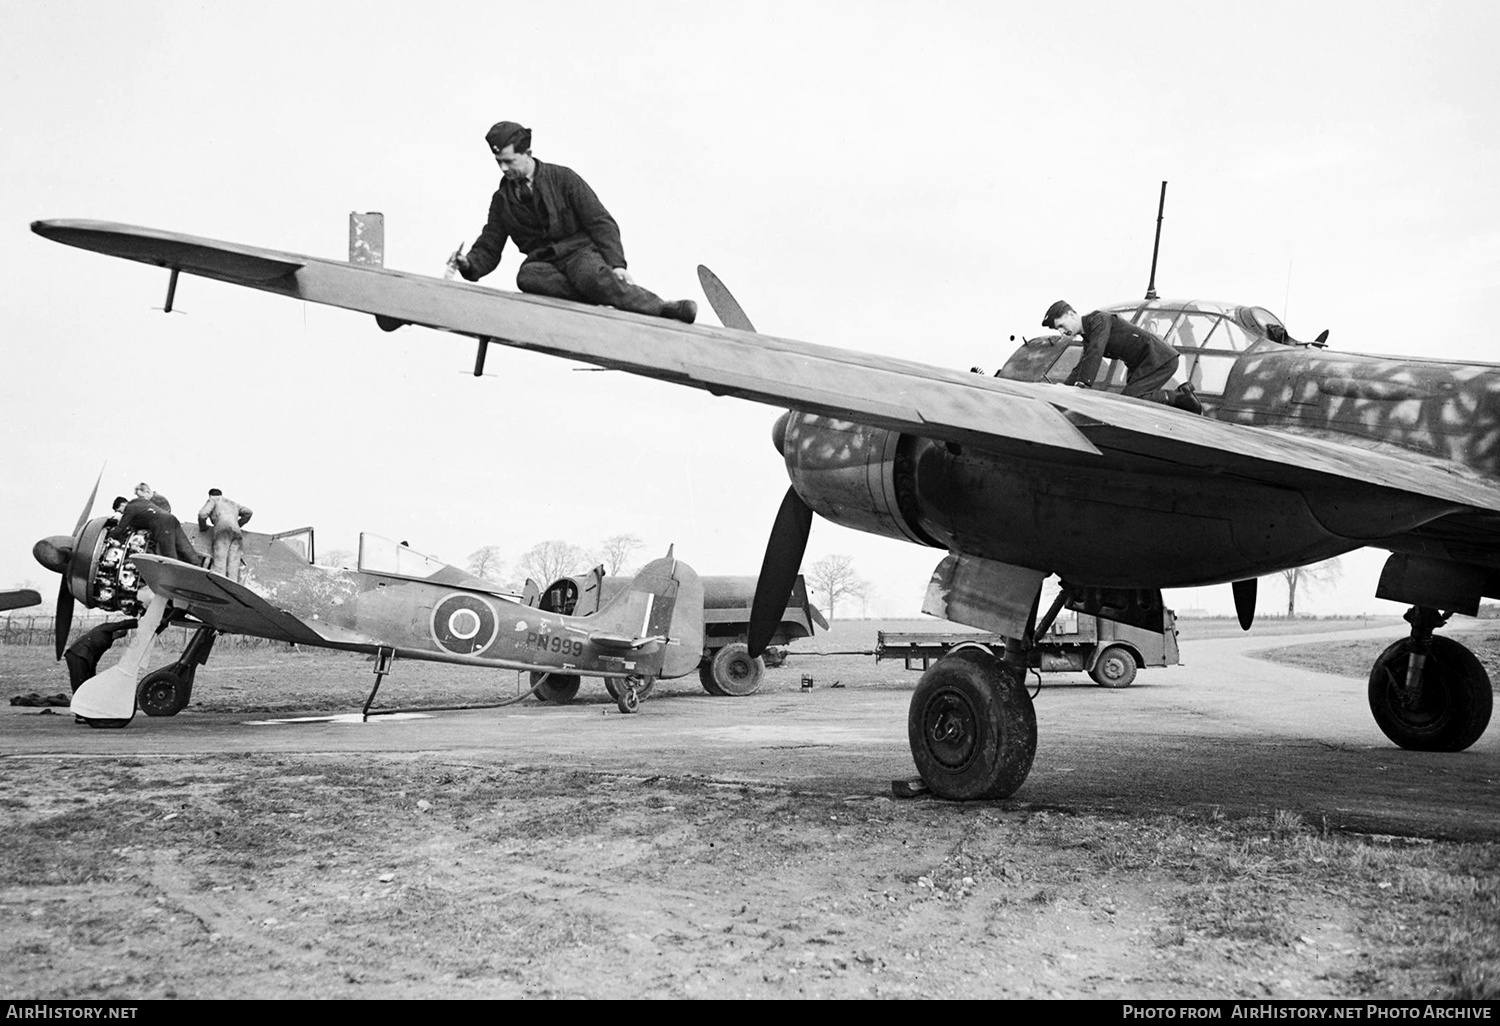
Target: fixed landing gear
[628,692]
[972,727]
[1430,694]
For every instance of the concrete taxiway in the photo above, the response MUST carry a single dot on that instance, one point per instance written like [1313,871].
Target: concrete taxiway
[1223,731]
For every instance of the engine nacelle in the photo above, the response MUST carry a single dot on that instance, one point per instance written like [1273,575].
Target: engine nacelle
[1093,524]
[855,475]
[100,574]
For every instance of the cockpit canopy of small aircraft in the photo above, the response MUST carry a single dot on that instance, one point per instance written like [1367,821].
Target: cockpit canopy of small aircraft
[1209,335]
[379,555]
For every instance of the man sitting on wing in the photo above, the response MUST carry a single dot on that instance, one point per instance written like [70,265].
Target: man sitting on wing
[571,242]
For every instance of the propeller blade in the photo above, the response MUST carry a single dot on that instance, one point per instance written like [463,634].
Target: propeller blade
[1244,601]
[778,572]
[64,617]
[726,307]
[88,507]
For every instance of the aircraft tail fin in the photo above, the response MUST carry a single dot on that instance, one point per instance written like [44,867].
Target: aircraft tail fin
[663,602]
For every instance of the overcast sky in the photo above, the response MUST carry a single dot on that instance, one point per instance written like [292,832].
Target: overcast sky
[915,179]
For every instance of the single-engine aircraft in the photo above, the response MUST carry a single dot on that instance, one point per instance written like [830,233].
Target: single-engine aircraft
[395,603]
[1306,454]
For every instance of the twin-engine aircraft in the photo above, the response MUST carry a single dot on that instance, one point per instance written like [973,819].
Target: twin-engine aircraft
[1304,454]
[397,603]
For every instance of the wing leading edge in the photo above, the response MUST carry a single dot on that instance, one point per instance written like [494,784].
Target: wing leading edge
[227,606]
[1007,416]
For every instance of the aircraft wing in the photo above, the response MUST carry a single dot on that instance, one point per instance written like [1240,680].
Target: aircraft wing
[225,605]
[954,406]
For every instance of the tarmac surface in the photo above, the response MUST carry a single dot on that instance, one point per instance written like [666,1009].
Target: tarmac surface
[1223,731]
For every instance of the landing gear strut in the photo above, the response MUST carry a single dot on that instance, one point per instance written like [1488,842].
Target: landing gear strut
[167,691]
[1427,693]
[628,691]
[971,725]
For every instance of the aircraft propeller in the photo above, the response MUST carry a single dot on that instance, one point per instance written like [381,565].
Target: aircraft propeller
[788,541]
[778,571]
[1244,601]
[56,554]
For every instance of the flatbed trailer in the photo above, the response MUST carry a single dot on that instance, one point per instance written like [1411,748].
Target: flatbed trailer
[1107,651]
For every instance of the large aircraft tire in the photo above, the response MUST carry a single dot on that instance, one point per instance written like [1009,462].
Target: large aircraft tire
[163,692]
[1456,701]
[1115,668]
[734,672]
[972,727]
[557,689]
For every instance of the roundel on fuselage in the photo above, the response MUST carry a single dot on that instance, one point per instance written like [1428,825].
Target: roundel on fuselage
[463,624]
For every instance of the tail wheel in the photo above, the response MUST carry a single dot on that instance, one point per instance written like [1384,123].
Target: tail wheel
[643,688]
[972,727]
[557,689]
[629,692]
[734,671]
[163,692]
[1115,668]
[1453,708]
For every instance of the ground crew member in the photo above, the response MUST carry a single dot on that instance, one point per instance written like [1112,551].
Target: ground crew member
[165,529]
[224,518]
[571,242]
[84,654]
[151,495]
[1150,362]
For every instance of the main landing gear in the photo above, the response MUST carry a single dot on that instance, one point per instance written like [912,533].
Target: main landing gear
[1430,694]
[167,691]
[972,727]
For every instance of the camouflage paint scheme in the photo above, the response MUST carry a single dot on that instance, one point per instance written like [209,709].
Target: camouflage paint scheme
[1101,490]
[653,628]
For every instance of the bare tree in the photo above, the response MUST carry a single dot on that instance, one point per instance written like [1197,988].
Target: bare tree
[546,561]
[336,557]
[615,552]
[1309,577]
[833,577]
[485,562]
[862,592]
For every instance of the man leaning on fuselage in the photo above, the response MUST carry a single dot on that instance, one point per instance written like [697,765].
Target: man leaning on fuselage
[1149,361]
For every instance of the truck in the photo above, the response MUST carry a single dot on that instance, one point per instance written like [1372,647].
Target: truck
[726,667]
[1107,651]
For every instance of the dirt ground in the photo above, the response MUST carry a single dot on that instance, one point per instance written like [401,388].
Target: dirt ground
[132,869]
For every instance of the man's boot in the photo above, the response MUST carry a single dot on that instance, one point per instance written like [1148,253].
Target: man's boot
[684,310]
[1187,399]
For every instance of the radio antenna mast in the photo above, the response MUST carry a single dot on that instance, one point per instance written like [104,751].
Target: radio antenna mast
[1156,246]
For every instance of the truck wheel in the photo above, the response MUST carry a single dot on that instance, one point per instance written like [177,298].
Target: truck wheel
[1455,705]
[1115,668]
[734,672]
[557,689]
[706,677]
[163,692]
[972,727]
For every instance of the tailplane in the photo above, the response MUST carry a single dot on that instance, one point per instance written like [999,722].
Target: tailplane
[663,604]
